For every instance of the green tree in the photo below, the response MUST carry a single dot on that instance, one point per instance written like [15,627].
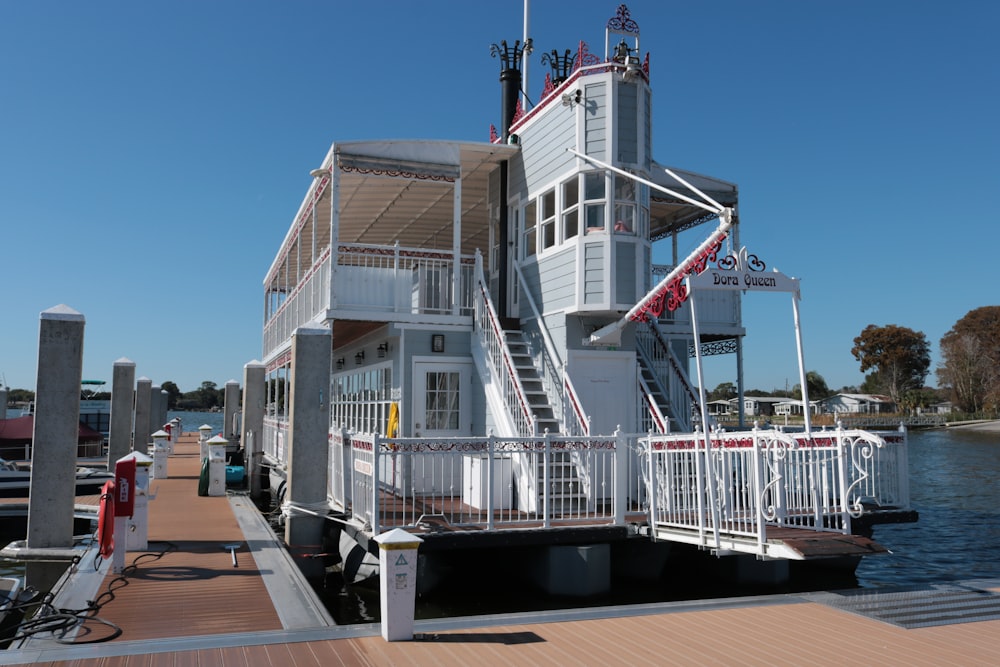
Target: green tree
[898,357]
[20,395]
[970,368]
[207,395]
[723,392]
[173,394]
[816,386]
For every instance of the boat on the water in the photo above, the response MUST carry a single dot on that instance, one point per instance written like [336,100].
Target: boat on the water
[510,368]
[15,481]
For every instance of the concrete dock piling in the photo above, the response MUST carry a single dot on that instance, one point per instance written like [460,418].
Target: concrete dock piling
[54,440]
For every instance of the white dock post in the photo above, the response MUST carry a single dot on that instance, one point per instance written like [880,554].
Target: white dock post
[397,557]
[161,454]
[204,433]
[137,531]
[254,388]
[217,466]
[122,388]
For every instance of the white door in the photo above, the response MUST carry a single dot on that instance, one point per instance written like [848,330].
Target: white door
[606,384]
[440,410]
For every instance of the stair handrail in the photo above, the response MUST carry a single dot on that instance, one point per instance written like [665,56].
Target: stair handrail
[682,413]
[550,355]
[498,353]
[659,419]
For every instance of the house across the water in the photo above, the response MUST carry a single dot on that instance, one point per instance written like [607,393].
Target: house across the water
[505,356]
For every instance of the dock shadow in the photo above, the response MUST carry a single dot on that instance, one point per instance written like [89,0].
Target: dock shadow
[506,638]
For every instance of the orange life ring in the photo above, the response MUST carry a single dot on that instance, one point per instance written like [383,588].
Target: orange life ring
[106,520]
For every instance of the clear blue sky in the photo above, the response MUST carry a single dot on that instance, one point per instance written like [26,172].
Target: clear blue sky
[152,154]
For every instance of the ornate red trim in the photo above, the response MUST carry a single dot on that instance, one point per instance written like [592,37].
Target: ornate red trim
[673,295]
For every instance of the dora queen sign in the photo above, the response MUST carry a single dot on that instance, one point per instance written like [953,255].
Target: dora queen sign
[743,271]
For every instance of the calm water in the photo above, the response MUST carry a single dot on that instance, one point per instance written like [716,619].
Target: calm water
[192,421]
[954,486]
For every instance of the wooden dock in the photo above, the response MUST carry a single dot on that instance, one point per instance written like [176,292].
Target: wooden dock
[183,603]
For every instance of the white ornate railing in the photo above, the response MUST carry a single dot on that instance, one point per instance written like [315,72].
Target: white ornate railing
[404,482]
[766,477]
[749,480]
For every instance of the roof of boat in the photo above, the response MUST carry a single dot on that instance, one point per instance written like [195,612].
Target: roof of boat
[415,207]
[20,430]
[669,214]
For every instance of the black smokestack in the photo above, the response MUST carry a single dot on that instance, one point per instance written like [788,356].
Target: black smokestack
[510,80]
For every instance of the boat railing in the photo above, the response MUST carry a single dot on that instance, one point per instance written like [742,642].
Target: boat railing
[309,297]
[398,279]
[275,438]
[484,481]
[382,280]
[748,480]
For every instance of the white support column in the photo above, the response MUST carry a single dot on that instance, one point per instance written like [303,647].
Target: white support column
[707,474]
[456,246]
[334,228]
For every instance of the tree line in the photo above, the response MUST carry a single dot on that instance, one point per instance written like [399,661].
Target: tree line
[205,397]
[896,361]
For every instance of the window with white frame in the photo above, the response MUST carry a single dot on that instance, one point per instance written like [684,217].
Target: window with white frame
[547,203]
[594,201]
[530,245]
[625,214]
[571,208]
[361,399]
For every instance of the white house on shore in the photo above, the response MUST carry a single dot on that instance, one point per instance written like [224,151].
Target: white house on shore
[857,404]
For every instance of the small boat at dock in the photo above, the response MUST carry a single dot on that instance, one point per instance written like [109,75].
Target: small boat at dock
[15,481]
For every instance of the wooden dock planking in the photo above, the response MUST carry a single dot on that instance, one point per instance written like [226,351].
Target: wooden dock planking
[185,584]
